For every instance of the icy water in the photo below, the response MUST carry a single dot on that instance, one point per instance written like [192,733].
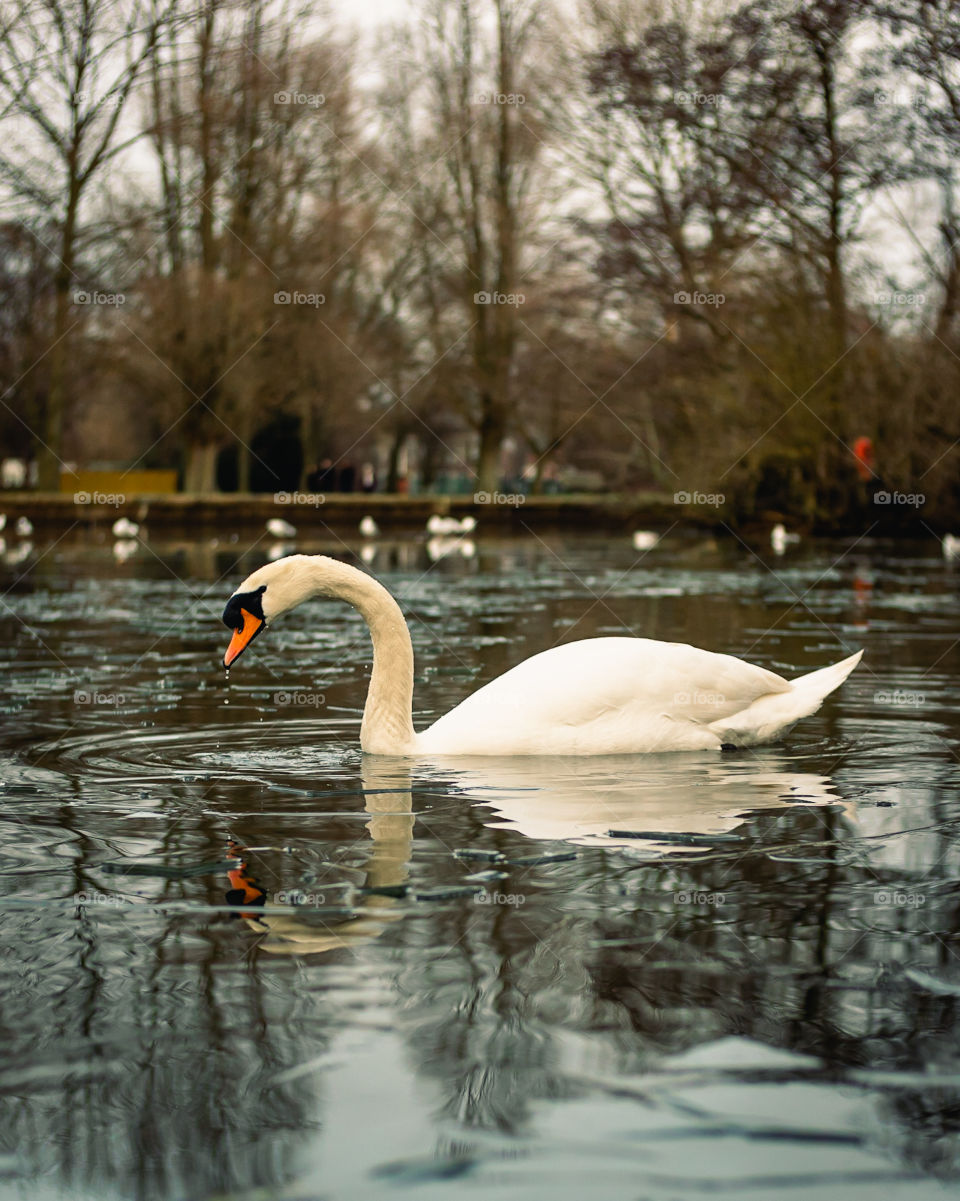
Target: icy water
[238,961]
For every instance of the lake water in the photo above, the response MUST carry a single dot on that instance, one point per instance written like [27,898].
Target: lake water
[237,960]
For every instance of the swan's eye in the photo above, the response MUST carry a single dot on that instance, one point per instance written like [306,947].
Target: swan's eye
[240,602]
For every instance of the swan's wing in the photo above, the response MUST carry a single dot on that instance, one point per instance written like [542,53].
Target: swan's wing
[609,685]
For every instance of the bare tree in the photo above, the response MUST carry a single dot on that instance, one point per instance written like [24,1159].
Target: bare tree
[266,199]
[67,71]
[479,149]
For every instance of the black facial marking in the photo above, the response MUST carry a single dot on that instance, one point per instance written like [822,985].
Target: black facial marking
[251,601]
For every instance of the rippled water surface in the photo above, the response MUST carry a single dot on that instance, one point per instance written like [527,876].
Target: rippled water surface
[239,960]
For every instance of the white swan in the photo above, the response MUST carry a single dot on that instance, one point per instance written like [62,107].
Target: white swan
[645,539]
[443,526]
[278,528]
[780,539]
[601,696]
[124,528]
[369,528]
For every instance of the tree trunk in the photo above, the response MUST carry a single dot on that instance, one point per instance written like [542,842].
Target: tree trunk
[49,457]
[48,454]
[200,473]
[243,467]
[429,449]
[393,459]
[836,285]
[492,432]
[537,482]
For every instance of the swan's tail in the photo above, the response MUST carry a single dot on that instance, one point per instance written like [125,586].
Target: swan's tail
[772,715]
[819,684]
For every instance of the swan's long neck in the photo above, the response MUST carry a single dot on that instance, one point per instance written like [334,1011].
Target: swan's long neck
[387,727]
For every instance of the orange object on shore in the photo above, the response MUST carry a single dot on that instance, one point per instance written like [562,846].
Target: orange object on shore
[863,453]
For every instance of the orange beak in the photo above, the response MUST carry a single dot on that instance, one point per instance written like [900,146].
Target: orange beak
[243,637]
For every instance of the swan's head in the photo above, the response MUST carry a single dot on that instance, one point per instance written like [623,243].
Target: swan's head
[262,597]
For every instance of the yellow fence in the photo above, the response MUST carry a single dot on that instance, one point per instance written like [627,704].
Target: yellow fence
[119,483]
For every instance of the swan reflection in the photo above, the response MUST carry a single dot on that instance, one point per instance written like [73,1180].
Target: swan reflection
[333,916]
[601,800]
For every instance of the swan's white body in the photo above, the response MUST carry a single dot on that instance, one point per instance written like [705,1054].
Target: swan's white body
[600,696]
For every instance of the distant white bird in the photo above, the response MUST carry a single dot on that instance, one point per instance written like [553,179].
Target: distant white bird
[369,528]
[123,548]
[437,525]
[24,527]
[279,550]
[13,473]
[644,539]
[18,553]
[444,526]
[950,546]
[780,539]
[368,553]
[278,528]
[124,528]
